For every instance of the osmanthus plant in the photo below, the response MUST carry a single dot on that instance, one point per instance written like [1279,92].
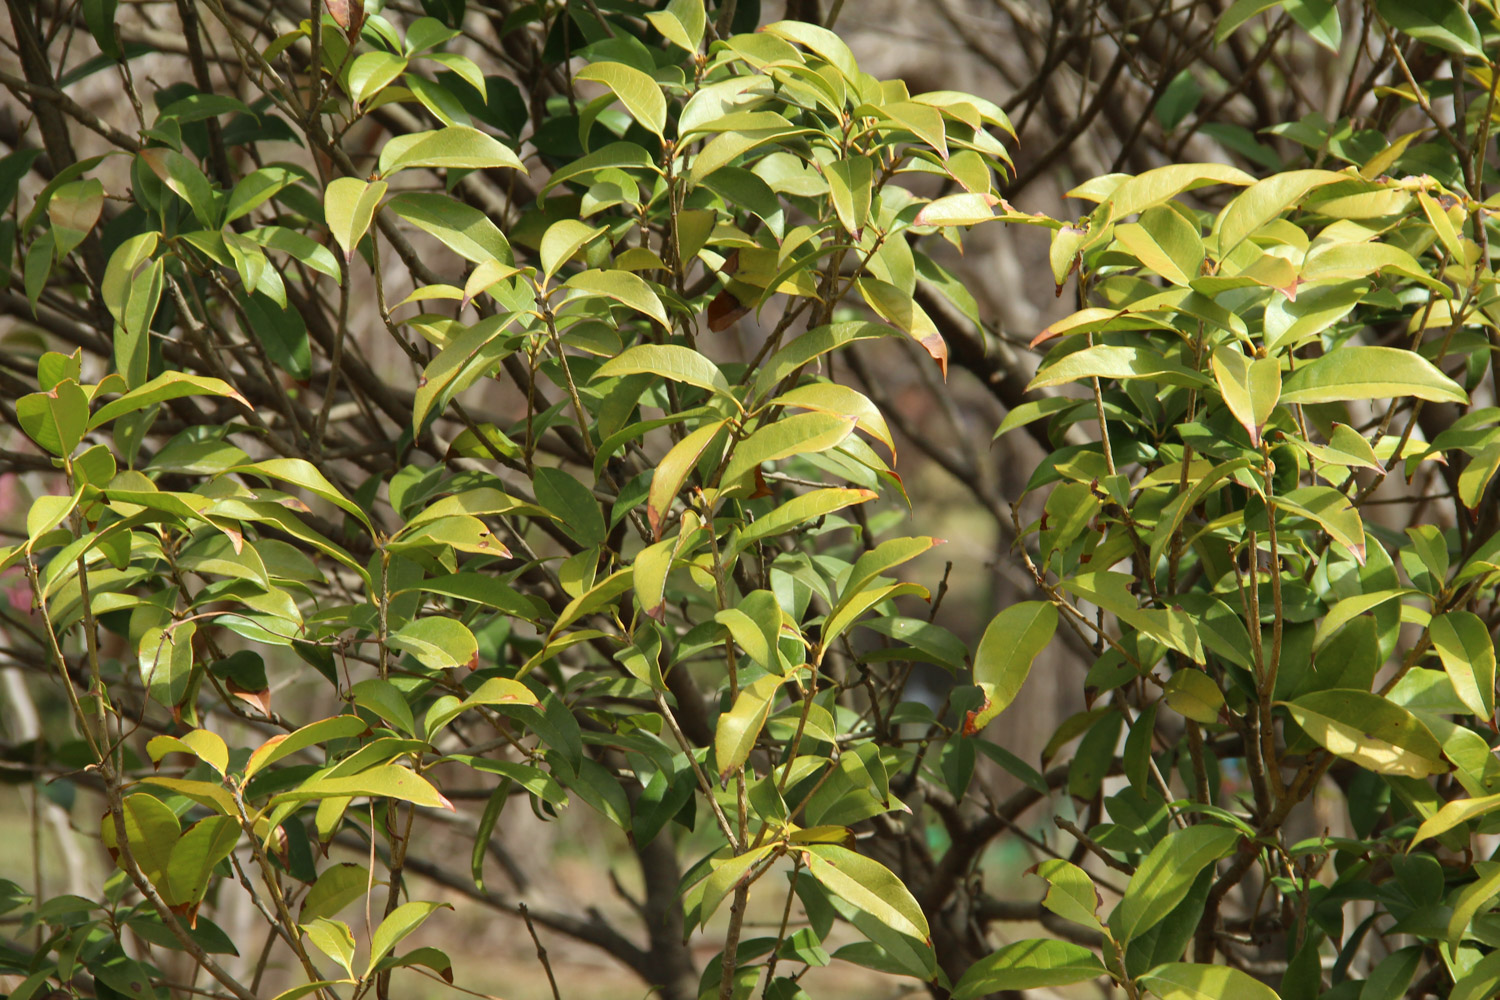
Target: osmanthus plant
[307,629]
[1210,523]
[653,594]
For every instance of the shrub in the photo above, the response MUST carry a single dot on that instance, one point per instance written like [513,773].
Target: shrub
[585,552]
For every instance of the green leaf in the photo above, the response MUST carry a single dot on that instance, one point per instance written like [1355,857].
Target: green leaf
[494,691]
[1028,413]
[397,925]
[334,939]
[184,179]
[826,44]
[303,989]
[841,401]
[902,311]
[625,288]
[1370,731]
[428,957]
[304,475]
[1463,643]
[1166,243]
[207,746]
[811,346]
[132,334]
[195,855]
[1003,660]
[1264,201]
[869,886]
[737,729]
[122,270]
[1154,187]
[1164,877]
[672,471]
[1184,981]
[966,209]
[151,831]
[302,248]
[461,228]
[438,643]
[386,701]
[598,786]
[921,120]
[456,147]
[1109,361]
[199,107]
[1194,695]
[99,15]
[725,876]
[735,140]
[1320,19]
[384,781]
[281,333]
[616,155]
[637,91]
[1238,13]
[73,211]
[493,807]
[1361,372]
[257,187]
[1250,388]
[571,502]
[1363,261]
[1443,23]
[1476,476]
[1178,100]
[482,588]
[167,385]
[858,603]
[1111,592]
[1452,814]
[682,23]
[799,510]
[755,626]
[349,206]
[1389,979]
[562,240]
[1333,512]
[1029,965]
[668,361]
[1471,899]
[462,360]
[39,260]
[337,887]
[370,72]
[56,419]
[1480,981]
[428,33]
[166,662]
[849,188]
[336,728]
[1071,893]
[485,277]
[1351,608]
[800,434]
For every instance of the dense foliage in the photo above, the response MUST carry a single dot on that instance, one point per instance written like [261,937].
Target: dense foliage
[623,540]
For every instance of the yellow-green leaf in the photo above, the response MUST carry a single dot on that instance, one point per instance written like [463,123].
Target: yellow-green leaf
[1374,733]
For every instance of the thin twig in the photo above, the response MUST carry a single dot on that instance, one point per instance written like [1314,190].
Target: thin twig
[541,952]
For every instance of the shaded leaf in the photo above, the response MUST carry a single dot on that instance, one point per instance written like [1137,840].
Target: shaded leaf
[1029,965]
